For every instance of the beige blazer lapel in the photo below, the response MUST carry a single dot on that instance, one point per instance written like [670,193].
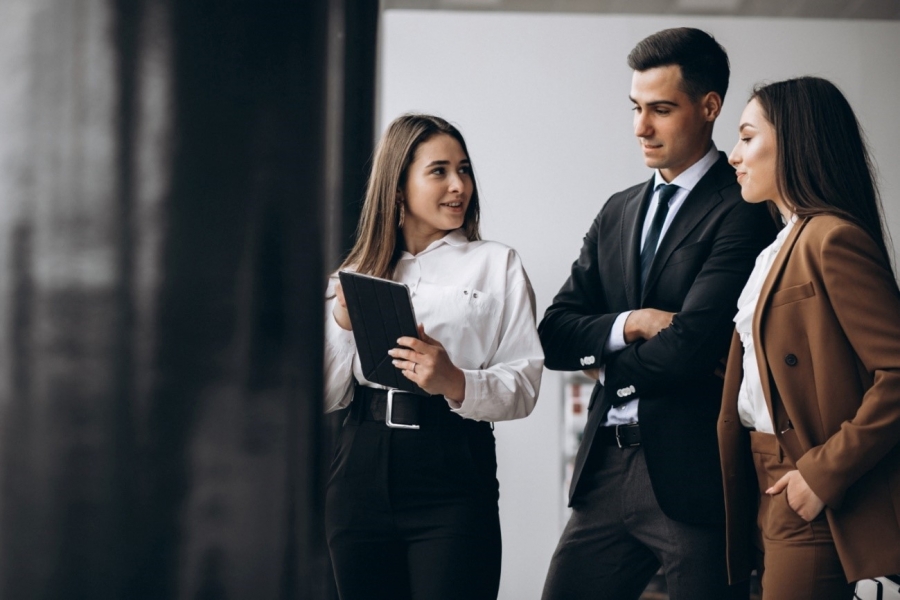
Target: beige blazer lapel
[765,297]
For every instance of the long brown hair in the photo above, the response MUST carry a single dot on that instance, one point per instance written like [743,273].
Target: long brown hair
[823,163]
[378,237]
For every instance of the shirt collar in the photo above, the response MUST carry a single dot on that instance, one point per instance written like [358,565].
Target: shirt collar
[779,239]
[693,174]
[456,237]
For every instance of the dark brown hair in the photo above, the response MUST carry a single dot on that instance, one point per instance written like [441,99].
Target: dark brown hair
[823,163]
[378,238]
[703,61]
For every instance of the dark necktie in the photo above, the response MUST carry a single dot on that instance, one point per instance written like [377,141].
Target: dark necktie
[666,191]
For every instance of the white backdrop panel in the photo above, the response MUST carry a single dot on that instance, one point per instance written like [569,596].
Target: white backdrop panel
[542,101]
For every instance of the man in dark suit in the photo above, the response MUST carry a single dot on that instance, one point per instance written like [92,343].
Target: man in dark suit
[648,310]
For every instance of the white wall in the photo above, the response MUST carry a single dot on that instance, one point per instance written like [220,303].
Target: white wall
[542,101]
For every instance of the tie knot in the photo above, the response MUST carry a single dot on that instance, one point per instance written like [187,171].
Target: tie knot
[666,191]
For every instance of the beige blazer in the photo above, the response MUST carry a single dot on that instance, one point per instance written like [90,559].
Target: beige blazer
[827,328]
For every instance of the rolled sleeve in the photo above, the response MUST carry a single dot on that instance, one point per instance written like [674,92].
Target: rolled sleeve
[508,387]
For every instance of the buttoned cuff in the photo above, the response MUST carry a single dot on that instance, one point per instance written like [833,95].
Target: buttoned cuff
[465,407]
[624,395]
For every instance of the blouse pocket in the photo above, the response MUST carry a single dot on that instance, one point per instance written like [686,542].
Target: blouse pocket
[481,313]
[793,294]
[467,321]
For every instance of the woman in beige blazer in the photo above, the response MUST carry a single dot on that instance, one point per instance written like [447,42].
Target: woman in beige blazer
[810,419]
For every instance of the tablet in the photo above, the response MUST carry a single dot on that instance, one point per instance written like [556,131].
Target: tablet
[381,311]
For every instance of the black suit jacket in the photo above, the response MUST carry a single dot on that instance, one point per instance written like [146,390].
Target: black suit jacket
[699,270]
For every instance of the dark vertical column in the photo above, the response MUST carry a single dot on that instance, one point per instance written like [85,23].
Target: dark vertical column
[307,570]
[161,287]
[123,542]
[361,29]
[350,131]
[60,533]
[20,517]
[350,117]
[235,456]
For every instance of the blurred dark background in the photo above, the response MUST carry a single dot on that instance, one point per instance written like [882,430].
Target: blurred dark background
[176,180]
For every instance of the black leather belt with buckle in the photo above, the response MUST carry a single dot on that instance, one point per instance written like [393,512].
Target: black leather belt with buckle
[401,410]
[623,436]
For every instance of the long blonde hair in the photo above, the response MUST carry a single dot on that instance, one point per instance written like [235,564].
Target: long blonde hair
[378,237]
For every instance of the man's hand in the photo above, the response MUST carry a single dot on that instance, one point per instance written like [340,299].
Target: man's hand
[799,495]
[644,323]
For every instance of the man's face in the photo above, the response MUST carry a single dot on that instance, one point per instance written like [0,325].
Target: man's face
[673,130]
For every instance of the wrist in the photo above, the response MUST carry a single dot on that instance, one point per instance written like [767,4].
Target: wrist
[457,391]
[632,331]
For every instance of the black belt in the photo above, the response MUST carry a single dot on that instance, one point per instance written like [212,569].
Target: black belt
[623,436]
[407,411]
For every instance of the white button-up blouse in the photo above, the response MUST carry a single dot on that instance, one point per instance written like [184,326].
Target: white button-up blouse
[752,408]
[473,297]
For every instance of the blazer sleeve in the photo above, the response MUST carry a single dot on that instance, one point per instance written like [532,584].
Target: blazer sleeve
[698,337]
[577,323]
[864,296]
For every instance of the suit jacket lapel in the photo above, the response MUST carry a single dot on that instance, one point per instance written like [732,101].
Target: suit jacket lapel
[632,223]
[702,199]
[765,295]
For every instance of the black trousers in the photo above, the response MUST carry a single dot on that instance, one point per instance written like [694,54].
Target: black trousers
[413,514]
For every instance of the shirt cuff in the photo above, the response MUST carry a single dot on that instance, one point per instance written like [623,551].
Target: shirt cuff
[473,382]
[616,340]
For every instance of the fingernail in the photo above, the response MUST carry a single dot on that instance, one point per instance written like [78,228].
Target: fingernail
[769,491]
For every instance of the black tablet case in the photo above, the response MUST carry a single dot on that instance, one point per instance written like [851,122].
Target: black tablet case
[381,311]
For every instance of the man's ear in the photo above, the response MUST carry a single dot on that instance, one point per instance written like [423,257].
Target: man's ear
[712,105]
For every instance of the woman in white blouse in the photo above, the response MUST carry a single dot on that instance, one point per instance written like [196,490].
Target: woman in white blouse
[412,513]
[809,431]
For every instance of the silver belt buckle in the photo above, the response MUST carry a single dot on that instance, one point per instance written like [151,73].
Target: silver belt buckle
[390,409]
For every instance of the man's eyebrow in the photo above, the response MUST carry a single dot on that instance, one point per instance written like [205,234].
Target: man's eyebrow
[656,102]
[662,103]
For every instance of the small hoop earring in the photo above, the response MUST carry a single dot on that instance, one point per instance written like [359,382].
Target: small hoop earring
[402,215]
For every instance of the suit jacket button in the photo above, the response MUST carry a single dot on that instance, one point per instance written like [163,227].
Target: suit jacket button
[790,360]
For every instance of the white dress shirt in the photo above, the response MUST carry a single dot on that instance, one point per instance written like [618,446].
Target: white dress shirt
[476,300]
[752,408]
[686,181]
